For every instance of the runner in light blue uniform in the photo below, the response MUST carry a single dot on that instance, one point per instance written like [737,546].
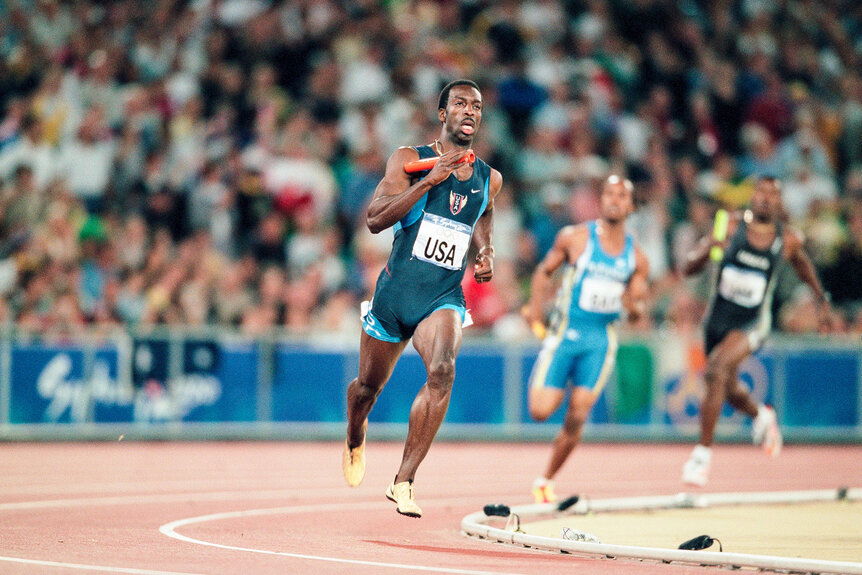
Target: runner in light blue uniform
[581,347]
[603,273]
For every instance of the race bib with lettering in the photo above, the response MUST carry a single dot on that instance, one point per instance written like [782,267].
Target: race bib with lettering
[601,295]
[442,242]
[742,287]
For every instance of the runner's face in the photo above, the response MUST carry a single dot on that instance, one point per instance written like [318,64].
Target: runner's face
[616,202]
[766,200]
[463,114]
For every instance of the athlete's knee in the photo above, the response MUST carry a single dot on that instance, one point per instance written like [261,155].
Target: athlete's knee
[716,371]
[441,371]
[574,422]
[365,390]
[539,412]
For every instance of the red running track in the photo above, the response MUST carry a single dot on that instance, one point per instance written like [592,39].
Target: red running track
[249,508]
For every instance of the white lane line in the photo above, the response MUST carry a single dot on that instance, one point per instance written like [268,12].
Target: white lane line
[120,487]
[225,496]
[169,529]
[156,498]
[104,568]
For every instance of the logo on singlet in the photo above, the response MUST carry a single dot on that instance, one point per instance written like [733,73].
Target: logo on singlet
[752,260]
[456,202]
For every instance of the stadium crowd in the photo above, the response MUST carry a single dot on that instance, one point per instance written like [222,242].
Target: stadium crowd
[207,162]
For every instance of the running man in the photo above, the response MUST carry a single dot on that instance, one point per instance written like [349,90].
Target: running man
[436,216]
[739,316]
[604,272]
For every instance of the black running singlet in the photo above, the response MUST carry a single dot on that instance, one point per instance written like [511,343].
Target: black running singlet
[742,295]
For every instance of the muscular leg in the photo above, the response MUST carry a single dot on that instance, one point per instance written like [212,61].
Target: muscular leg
[722,384]
[580,404]
[544,401]
[740,399]
[437,339]
[376,361]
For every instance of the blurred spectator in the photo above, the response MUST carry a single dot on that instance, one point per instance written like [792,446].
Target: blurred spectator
[772,108]
[848,264]
[22,203]
[805,189]
[648,224]
[760,157]
[267,245]
[86,161]
[31,150]
[803,150]
[851,118]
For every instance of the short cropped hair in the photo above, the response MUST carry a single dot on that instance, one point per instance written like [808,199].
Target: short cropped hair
[771,178]
[444,95]
[614,179]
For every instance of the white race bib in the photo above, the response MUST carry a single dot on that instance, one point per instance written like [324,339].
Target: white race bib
[601,295]
[442,242]
[742,287]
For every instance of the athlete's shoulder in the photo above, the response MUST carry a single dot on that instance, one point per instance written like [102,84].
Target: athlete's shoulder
[573,238]
[495,181]
[792,237]
[403,153]
[576,230]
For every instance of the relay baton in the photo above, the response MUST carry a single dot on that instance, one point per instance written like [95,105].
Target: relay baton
[719,233]
[428,163]
[538,328]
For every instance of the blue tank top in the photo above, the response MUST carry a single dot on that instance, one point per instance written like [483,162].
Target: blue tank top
[431,242]
[591,292]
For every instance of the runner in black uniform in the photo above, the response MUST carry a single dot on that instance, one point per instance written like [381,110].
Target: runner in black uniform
[739,317]
[436,216]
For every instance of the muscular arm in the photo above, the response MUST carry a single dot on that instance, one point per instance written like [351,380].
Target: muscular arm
[696,259]
[795,254]
[637,290]
[483,235]
[394,196]
[568,246]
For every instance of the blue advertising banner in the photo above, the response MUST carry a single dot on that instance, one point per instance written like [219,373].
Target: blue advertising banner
[193,379]
[211,382]
[53,384]
[238,374]
[821,388]
[198,389]
[308,384]
[478,391]
[113,398]
[48,385]
[67,385]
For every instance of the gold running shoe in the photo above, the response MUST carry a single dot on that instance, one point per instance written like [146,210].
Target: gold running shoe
[353,460]
[402,494]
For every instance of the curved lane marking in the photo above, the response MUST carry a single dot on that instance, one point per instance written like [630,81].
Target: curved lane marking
[169,529]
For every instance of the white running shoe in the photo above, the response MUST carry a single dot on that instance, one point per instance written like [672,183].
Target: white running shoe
[543,490]
[765,431]
[696,469]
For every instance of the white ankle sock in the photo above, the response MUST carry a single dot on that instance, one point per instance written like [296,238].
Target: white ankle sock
[702,452]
